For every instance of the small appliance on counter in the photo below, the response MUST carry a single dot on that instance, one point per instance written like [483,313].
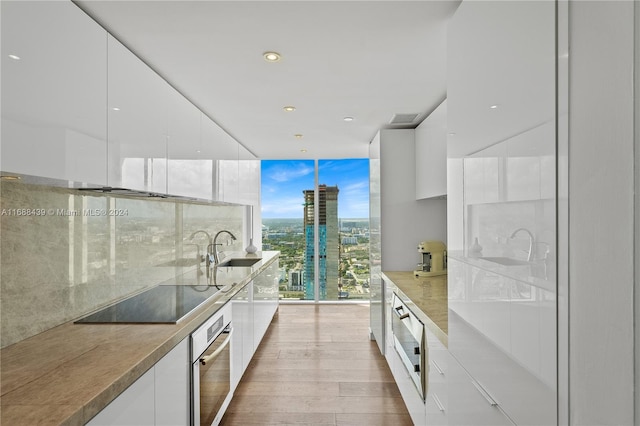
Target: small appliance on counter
[434,259]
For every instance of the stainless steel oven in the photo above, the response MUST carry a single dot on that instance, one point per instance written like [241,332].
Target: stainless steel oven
[409,341]
[211,372]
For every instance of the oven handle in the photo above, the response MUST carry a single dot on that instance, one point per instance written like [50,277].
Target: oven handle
[210,358]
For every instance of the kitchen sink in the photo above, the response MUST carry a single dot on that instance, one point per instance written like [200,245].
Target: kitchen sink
[239,262]
[506,261]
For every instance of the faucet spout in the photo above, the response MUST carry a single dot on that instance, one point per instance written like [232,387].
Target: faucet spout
[215,245]
[209,242]
[531,242]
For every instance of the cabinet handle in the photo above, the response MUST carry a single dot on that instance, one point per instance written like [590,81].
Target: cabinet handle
[438,403]
[484,393]
[435,364]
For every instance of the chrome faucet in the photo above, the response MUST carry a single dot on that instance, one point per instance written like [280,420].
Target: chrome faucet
[207,257]
[531,242]
[215,245]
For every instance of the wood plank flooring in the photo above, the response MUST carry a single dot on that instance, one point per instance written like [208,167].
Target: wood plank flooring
[317,366]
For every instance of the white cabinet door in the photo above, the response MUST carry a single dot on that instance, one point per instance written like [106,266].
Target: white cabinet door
[137,117]
[242,343]
[500,72]
[223,152]
[160,397]
[187,171]
[134,406]
[431,154]
[249,194]
[265,301]
[172,387]
[468,403]
[54,95]
[229,175]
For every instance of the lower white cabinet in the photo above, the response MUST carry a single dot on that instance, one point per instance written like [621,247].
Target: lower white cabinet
[242,346]
[265,301]
[159,397]
[172,387]
[253,309]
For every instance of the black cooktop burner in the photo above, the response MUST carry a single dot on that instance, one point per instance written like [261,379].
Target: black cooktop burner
[165,304]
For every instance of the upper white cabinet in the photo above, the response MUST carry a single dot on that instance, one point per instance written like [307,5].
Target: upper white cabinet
[229,175]
[53,92]
[188,174]
[500,72]
[222,151]
[138,108]
[431,154]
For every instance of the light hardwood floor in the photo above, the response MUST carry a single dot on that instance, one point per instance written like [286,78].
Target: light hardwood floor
[317,366]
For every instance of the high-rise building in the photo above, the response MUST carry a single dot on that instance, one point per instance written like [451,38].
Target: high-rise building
[328,242]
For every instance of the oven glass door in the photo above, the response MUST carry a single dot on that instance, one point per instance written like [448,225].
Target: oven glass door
[409,343]
[212,379]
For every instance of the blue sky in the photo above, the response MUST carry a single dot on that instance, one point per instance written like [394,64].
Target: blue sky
[284,180]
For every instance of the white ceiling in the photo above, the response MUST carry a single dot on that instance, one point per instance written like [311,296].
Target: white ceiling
[364,59]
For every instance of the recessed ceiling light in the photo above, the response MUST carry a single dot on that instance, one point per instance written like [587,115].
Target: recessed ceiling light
[494,106]
[115,109]
[303,150]
[298,136]
[289,108]
[15,57]
[452,133]
[348,119]
[271,56]
[198,151]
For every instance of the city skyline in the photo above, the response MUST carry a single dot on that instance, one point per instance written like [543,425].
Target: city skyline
[283,183]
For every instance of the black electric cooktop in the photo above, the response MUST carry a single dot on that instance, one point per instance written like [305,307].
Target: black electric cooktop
[165,304]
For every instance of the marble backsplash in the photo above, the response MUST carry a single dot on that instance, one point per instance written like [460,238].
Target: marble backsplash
[65,253]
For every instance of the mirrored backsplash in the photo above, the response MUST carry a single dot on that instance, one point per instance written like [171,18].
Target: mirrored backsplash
[65,253]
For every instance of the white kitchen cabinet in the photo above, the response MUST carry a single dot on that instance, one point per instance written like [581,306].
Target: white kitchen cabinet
[436,400]
[242,339]
[249,193]
[138,108]
[265,301]
[172,387]
[188,173]
[431,154]
[217,146]
[468,403]
[161,396]
[134,406]
[500,72]
[54,95]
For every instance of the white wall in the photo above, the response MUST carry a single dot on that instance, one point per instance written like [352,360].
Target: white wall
[601,216]
[405,221]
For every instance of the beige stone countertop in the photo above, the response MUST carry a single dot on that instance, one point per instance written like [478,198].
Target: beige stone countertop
[426,297]
[67,374]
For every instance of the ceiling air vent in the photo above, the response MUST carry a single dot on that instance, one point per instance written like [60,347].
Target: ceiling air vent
[403,119]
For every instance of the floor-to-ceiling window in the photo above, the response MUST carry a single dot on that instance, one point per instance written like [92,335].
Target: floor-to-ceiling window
[343,185]
[316,214]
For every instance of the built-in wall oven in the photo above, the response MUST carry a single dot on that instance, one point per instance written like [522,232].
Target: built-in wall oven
[409,342]
[211,369]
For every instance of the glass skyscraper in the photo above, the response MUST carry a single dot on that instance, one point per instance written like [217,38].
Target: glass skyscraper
[328,242]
